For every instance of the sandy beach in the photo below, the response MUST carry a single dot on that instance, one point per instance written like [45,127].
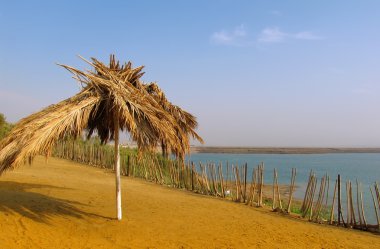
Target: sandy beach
[61,204]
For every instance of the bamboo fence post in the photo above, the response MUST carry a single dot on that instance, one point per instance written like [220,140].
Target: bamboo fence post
[233,172]
[278,191]
[327,192]
[273,191]
[357,204]
[218,177]
[340,212]
[320,208]
[252,188]
[349,217]
[320,203]
[321,194]
[374,205]
[228,178]
[215,182]
[311,205]
[333,204]
[245,182]
[205,179]
[353,219]
[237,182]
[212,173]
[339,201]
[307,191]
[240,179]
[377,194]
[201,180]
[362,206]
[210,178]
[192,176]
[308,195]
[259,189]
[261,184]
[292,183]
[225,180]
[221,179]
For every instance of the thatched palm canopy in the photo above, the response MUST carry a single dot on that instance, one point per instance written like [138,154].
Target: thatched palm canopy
[107,92]
[187,123]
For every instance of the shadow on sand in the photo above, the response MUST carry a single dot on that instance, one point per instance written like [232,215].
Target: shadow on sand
[15,197]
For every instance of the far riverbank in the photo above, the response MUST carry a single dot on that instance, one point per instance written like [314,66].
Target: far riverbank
[279,150]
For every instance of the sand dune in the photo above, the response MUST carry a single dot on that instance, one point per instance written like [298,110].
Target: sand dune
[66,205]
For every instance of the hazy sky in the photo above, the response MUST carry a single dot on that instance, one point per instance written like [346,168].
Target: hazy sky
[255,73]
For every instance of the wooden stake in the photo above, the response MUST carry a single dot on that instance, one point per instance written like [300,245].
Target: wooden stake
[278,191]
[353,221]
[357,203]
[377,194]
[312,197]
[221,180]
[333,204]
[307,191]
[252,188]
[237,182]
[261,184]
[291,190]
[273,192]
[349,217]
[374,205]
[361,200]
[321,194]
[339,201]
[192,175]
[117,166]
[245,182]
[327,193]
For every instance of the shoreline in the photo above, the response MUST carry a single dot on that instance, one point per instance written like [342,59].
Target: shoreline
[279,150]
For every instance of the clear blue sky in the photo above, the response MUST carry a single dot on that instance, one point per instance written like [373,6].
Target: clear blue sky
[255,73]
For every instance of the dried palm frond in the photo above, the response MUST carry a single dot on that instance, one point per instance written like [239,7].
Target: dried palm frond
[187,123]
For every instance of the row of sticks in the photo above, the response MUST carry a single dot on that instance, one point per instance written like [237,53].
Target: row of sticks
[146,166]
[232,182]
[317,210]
[207,178]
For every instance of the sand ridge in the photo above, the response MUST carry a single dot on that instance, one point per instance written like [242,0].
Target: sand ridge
[61,204]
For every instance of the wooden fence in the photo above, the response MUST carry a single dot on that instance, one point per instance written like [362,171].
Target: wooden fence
[233,182]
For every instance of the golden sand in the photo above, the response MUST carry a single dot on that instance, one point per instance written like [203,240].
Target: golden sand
[66,205]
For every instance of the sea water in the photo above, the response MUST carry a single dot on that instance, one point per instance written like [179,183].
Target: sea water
[364,167]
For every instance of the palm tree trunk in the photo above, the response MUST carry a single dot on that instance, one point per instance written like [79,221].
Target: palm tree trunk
[117,167]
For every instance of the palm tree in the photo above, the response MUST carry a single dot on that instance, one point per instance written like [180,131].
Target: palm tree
[110,100]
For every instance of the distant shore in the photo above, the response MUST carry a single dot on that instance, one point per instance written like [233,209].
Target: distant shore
[279,150]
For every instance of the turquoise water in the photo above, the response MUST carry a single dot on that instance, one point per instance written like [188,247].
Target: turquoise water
[365,167]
